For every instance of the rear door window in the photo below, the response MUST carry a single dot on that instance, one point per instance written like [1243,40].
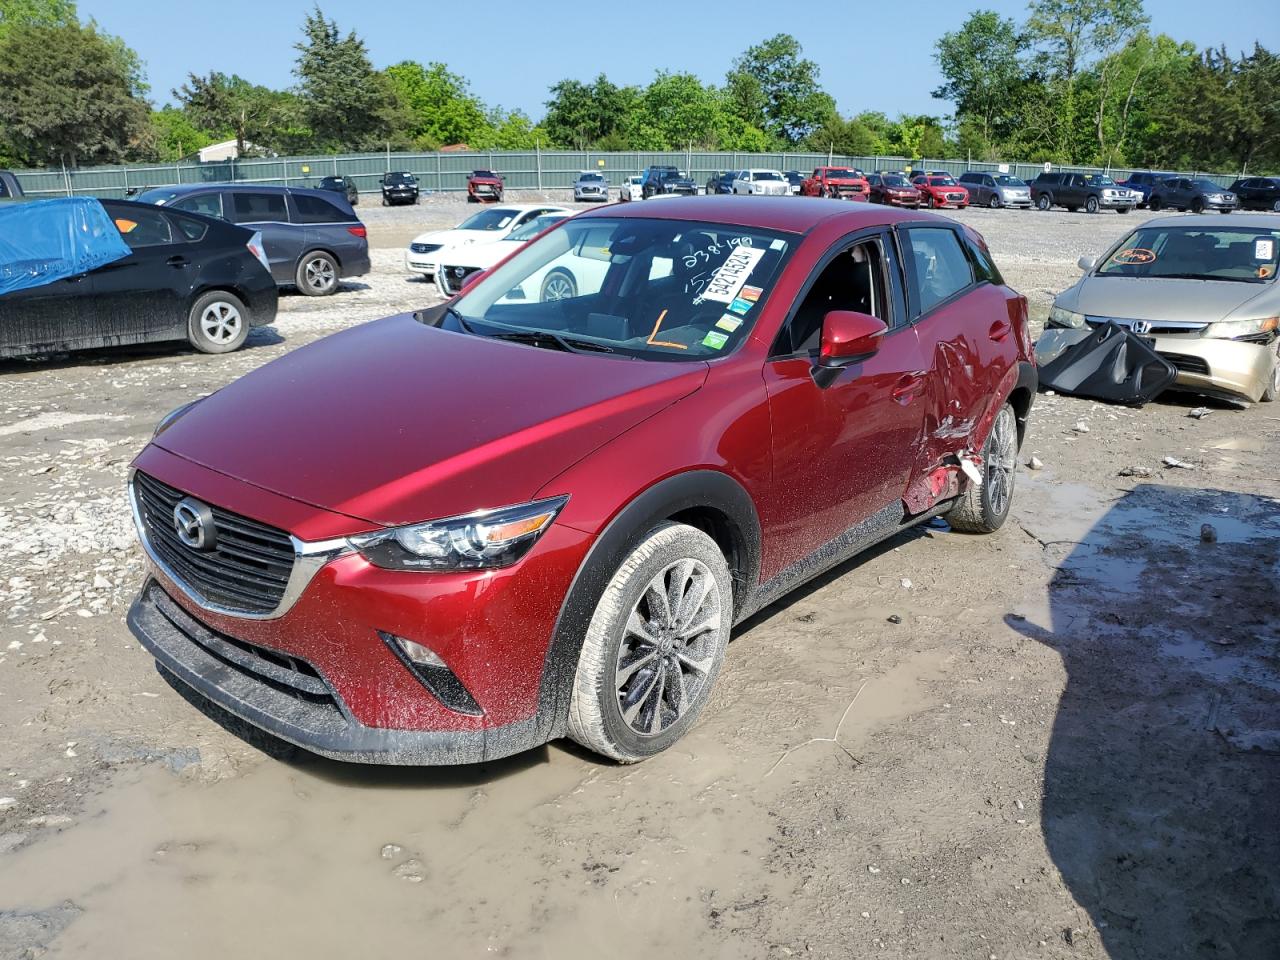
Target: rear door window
[210,204]
[937,265]
[143,227]
[311,209]
[251,207]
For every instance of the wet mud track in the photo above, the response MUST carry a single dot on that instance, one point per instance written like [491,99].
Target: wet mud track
[1068,745]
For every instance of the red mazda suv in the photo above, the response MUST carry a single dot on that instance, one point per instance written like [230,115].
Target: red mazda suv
[451,535]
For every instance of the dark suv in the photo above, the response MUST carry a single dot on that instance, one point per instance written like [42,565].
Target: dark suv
[399,186]
[666,180]
[1196,195]
[1258,193]
[1093,191]
[343,185]
[1142,183]
[312,237]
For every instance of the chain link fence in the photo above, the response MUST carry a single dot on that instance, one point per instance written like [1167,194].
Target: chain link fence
[523,170]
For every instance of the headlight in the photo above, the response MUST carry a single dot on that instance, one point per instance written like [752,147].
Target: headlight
[1065,318]
[169,418]
[1234,329]
[478,541]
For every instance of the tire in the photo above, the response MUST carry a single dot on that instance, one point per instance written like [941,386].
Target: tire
[386,202]
[218,323]
[929,202]
[1155,203]
[558,285]
[1091,205]
[1275,207]
[984,509]
[1123,209]
[627,711]
[1197,205]
[317,274]
[1043,202]
[994,203]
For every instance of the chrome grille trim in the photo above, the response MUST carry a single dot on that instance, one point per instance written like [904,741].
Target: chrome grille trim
[308,558]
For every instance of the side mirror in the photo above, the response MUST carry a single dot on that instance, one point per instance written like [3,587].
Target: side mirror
[847,338]
[1086,263]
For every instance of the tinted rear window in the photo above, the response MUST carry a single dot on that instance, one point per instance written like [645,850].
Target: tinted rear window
[258,207]
[318,210]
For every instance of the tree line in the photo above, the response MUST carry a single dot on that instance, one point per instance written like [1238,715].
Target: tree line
[1079,81]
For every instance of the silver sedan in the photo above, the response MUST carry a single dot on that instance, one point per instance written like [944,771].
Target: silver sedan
[1202,291]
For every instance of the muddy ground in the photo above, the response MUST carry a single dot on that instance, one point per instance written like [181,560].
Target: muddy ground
[1068,747]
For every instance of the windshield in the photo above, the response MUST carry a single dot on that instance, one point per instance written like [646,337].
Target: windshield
[652,289]
[1188,253]
[495,218]
[1004,180]
[401,178]
[767,175]
[159,197]
[590,176]
[535,226]
[893,180]
[1098,180]
[1207,185]
[946,181]
[485,174]
[840,173]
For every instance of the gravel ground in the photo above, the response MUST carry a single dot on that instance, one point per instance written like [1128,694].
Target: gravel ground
[1057,741]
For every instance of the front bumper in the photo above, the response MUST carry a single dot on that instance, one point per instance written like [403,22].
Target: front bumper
[900,201]
[1115,203]
[419,263]
[400,196]
[1022,200]
[1229,369]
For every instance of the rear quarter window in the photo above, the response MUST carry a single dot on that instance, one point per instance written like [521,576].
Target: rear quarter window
[189,229]
[318,210]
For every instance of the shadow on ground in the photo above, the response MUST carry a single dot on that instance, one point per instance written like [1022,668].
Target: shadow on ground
[1160,802]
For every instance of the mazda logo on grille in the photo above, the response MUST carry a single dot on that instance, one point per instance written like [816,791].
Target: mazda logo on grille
[193,522]
[1141,326]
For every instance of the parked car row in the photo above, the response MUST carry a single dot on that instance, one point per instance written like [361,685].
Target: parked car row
[1201,195]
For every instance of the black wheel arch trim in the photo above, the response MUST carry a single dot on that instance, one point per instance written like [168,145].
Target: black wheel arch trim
[686,491]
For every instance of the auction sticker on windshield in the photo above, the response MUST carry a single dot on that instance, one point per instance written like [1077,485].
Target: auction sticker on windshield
[1264,249]
[731,275]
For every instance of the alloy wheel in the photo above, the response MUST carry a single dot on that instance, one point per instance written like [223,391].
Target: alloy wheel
[221,322]
[557,287]
[1002,460]
[320,273]
[668,647]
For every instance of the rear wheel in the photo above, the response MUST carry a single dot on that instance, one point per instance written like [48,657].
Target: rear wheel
[1091,205]
[218,323]
[317,275]
[654,646]
[984,509]
[1276,206]
[1155,204]
[1043,202]
[559,285]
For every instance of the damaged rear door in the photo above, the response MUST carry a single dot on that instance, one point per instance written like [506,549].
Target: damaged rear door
[966,335]
[143,297]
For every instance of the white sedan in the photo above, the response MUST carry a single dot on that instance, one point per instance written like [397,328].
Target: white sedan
[632,189]
[487,226]
[461,262]
[769,183]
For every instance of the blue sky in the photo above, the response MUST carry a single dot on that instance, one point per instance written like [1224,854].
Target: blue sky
[513,51]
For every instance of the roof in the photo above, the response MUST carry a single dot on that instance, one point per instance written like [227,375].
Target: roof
[1264,221]
[182,189]
[789,214]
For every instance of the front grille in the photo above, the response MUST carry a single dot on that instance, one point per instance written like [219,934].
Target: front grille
[247,570]
[1188,364]
[1163,328]
[425,247]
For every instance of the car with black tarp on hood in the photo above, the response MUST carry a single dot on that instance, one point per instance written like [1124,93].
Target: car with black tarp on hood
[78,272]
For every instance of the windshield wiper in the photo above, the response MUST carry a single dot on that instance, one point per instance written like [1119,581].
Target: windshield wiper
[545,338]
[462,321]
[1199,276]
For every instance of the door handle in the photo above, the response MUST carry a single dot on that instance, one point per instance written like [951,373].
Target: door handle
[177,261]
[908,387]
[999,330]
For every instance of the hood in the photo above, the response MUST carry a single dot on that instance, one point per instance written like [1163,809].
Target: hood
[458,238]
[482,255]
[1134,298]
[396,422]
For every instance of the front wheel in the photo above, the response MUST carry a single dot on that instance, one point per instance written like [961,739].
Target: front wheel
[317,275]
[1197,205]
[1043,202]
[1155,204]
[984,509]
[1091,205]
[994,202]
[654,646]
[218,323]
[1273,387]
[559,285]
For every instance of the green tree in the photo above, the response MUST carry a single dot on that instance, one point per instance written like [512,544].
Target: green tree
[342,98]
[231,106]
[509,131]
[580,115]
[773,87]
[1069,34]
[439,106]
[981,64]
[67,96]
[40,13]
[174,135]
[847,137]
[682,110]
